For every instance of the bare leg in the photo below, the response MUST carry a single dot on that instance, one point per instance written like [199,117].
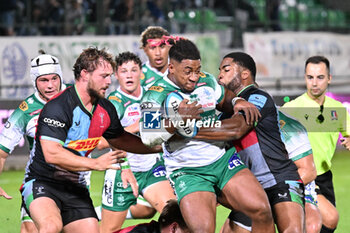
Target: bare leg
[112,220]
[244,193]
[313,218]
[330,215]
[199,211]
[289,217]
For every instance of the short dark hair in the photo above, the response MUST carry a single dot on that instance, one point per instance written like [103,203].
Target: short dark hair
[317,60]
[125,57]
[244,60]
[89,59]
[152,32]
[184,49]
[171,213]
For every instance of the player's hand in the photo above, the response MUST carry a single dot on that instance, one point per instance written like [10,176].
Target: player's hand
[252,114]
[129,178]
[4,194]
[190,111]
[345,142]
[109,160]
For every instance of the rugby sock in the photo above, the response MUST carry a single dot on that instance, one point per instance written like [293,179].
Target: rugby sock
[129,215]
[326,230]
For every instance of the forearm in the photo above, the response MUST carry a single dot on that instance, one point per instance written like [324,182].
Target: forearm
[306,169]
[150,138]
[131,143]
[55,154]
[3,156]
[231,129]
[133,128]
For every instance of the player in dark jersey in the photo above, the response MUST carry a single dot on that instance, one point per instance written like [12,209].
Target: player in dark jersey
[261,147]
[69,128]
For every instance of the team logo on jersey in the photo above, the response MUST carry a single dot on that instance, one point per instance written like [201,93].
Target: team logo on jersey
[115,98]
[156,88]
[334,115]
[23,106]
[84,145]
[202,75]
[152,120]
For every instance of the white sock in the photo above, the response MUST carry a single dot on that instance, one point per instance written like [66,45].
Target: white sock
[129,215]
[98,212]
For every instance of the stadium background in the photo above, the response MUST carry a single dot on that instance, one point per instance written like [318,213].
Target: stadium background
[279,34]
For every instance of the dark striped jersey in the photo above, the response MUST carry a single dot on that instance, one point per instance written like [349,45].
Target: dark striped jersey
[64,119]
[262,149]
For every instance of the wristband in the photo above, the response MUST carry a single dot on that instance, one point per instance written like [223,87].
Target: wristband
[234,100]
[125,164]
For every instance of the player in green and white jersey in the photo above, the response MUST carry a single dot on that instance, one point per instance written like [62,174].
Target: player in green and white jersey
[148,169]
[296,140]
[47,79]
[156,48]
[201,171]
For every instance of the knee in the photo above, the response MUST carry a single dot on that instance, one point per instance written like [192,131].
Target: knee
[51,227]
[314,227]
[331,221]
[263,214]
[294,229]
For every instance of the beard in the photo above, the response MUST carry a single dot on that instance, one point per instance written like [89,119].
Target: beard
[93,92]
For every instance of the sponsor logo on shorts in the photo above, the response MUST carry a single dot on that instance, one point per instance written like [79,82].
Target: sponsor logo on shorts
[159,171]
[107,191]
[234,162]
[84,145]
[282,196]
[121,200]
[54,123]
[182,186]
[39,190]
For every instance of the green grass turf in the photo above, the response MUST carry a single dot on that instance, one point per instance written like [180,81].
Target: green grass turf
[11,180]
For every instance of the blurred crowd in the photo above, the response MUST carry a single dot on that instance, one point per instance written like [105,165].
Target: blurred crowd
[76,17]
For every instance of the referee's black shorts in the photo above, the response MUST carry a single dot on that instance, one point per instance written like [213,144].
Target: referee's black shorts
[324,186]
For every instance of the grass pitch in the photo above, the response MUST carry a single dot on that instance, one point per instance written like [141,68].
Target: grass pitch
[10,181]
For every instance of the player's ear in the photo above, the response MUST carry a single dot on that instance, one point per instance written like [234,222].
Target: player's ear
[171,67]
[84,74]
[245,74]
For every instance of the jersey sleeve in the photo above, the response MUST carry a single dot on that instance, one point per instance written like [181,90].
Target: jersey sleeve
[219,90]
[54,122]
[13,131]
[345,129]
[117,103]
[115,129]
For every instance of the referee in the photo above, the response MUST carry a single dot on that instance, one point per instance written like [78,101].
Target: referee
[323,118]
